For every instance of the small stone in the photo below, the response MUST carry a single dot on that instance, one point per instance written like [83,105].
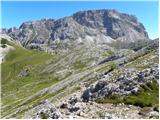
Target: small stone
[107,115]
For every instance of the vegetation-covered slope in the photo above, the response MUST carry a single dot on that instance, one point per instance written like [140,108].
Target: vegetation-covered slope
[21,75]
[30,77]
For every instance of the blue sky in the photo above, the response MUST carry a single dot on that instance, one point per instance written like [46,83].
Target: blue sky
[14,13]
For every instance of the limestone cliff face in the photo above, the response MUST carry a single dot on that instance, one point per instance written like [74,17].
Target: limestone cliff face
[92,25]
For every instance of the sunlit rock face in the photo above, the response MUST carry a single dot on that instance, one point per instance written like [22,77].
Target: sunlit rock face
[100,26]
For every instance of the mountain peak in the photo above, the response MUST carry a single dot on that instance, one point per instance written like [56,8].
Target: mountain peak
[102,25]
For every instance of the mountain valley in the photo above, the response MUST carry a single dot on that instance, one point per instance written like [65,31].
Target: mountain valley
[93,64]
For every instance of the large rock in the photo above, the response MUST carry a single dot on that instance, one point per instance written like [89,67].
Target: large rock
[73,100]
[100,85]
[86,95]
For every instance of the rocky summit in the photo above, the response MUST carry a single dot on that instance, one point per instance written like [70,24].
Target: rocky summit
[93,64]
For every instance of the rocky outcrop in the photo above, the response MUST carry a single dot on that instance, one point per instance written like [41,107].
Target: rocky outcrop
[127,83]
[23,73]
[45,110]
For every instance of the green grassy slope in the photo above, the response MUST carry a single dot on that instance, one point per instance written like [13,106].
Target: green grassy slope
[16,88]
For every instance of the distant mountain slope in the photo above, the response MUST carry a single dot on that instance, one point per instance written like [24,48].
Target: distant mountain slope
[99,26]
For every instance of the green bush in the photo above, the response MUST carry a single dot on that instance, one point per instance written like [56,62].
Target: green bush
[113,66]
[110,99]
[147,96]
[44,115]
[100,114]
[3,45]
[156,108]
[3,41]
[78,88]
